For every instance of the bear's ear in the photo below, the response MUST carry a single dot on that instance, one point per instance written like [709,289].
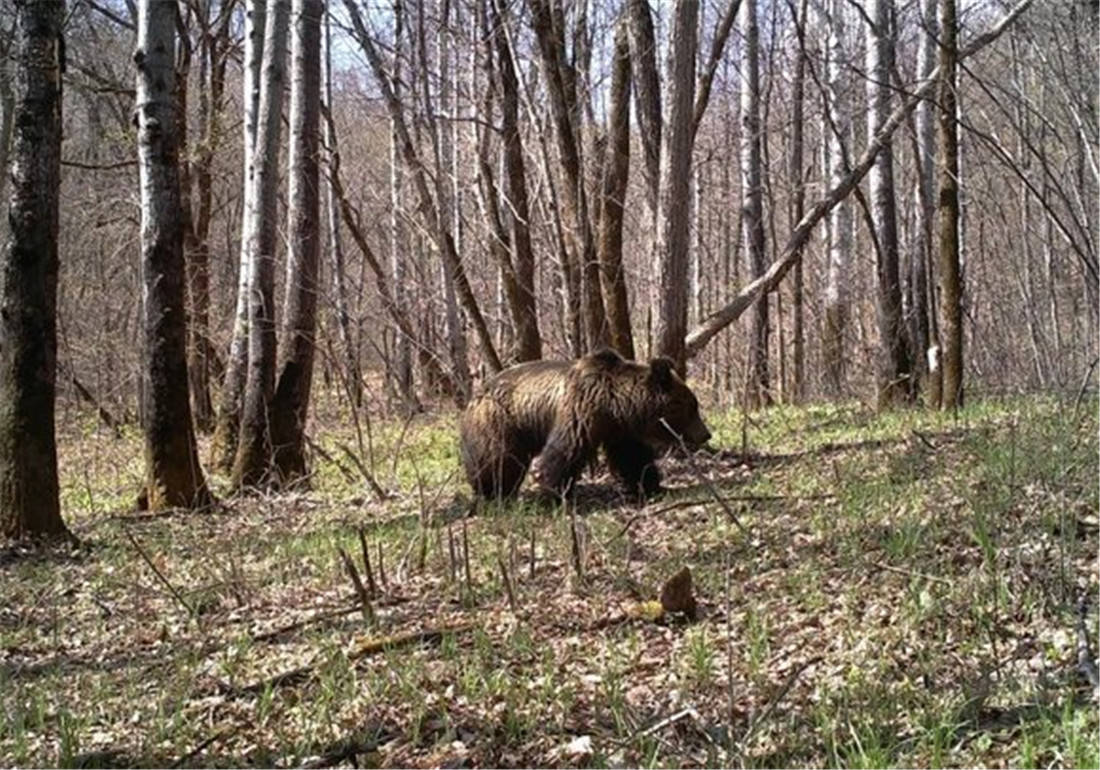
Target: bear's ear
[661,371]
[607,358]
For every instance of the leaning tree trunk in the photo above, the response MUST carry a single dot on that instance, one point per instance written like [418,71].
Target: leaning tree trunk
[173,476]
[253,462]
[674,200]
[295,371]
[616,176]
[800,234]
[227,427]
[892,370]
[758,390]
[950,274]
[840,220]
[29,503]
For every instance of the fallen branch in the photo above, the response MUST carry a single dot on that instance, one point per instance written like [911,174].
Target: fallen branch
[214,737]
[320,451]
[303,673]
[298,625]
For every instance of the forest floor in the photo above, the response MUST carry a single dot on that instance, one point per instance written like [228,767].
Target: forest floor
[896,590]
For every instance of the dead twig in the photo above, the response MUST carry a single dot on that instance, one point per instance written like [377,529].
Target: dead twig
[778,697]
[366,562]
[1086,664]
[728,498]
[1084,387]
[145,556]
[380,494]
[360,591]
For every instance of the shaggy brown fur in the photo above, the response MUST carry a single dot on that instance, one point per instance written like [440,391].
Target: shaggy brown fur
[564,412]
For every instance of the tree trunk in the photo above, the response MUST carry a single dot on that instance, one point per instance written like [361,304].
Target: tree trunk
[173,476]
[214,47]
[950,274]
[442,140]
[252,466]
[227,428]
[840,220]
[7,113]
[647,109]
[615,178]
[893,375]
[336,246]
[798,205]
[758,386]
[921,317]
[290,405]
[560,79]
[525,309]
[29,505]
[403,363]
[674,202]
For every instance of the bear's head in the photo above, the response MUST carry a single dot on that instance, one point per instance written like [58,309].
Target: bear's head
[676,410]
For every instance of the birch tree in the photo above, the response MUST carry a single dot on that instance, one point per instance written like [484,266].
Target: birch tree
[293,384]
[29,505]
[173,476]
[254,451]
[227,427]
[921,314]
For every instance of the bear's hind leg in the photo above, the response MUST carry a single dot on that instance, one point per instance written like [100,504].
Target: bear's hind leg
[634,464]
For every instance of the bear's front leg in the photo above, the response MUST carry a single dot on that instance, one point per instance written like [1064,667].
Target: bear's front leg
[562,460]
[634,465]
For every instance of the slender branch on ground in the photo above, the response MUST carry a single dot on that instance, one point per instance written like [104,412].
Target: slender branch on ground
[160,576]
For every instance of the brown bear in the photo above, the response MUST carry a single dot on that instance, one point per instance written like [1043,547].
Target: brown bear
[563,412]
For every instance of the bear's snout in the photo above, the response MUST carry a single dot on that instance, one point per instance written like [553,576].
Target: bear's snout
[697,434]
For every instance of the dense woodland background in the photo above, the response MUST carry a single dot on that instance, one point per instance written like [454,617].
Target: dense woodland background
[1028,231]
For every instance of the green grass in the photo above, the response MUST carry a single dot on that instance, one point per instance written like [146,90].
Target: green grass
[903,594]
